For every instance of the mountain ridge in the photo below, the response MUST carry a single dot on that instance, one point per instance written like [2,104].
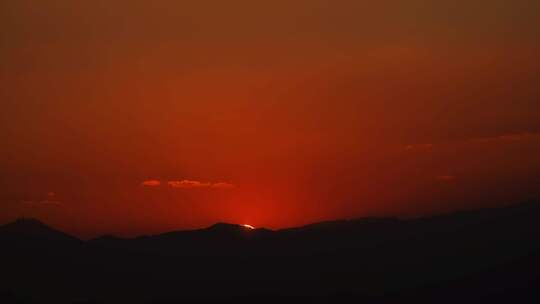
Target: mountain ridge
[33,227]
[475,255]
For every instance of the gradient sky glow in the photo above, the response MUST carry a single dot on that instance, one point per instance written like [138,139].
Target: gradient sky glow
[134,117]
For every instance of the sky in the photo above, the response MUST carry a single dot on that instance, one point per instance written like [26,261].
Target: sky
[138,117]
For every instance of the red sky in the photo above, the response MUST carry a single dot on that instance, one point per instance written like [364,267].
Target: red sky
[133,117]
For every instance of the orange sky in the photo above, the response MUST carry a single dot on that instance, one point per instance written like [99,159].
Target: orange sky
[134,117]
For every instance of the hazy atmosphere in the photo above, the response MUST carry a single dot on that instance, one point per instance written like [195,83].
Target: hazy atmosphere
[137,117]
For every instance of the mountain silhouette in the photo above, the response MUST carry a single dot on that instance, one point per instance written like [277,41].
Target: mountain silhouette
[472,256]
[32,229]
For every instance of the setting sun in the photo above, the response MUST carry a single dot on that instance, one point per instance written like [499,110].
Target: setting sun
[388,151]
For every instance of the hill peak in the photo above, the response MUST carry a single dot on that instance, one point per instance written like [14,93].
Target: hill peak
[30,228]
[221,225]
[27,223]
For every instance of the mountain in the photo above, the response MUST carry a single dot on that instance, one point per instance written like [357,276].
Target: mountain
[218,239]
[219,231]
[32,230]
[482,255]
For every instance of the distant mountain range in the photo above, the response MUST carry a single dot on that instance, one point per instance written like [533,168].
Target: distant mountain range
[482,255]
[32,229]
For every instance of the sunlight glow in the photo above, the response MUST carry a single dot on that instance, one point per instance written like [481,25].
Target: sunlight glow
[248,226]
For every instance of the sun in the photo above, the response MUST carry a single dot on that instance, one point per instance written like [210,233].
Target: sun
[248,226]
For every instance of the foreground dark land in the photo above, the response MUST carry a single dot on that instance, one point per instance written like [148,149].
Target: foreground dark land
[476,256]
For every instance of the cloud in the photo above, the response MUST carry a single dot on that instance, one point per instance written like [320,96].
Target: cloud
[41,202]
[446,178]
[188,184]
[419,147]
[496,139]
[50,199]
[508,137]
[191,184]
[151,183]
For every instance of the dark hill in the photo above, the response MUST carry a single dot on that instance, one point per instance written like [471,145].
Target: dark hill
[32,230]
[475,256]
